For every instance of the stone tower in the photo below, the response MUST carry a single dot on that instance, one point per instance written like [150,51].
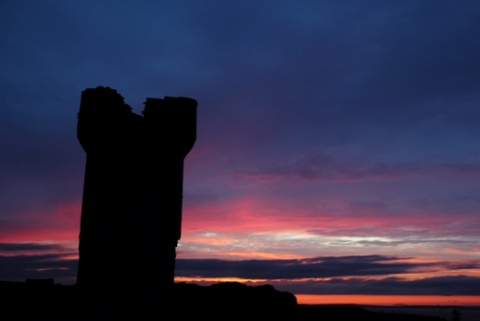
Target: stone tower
[132,198]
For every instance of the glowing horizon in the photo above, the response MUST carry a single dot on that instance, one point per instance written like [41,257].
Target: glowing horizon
[390,299]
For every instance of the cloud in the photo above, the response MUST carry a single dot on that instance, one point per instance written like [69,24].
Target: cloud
[19,268]
[321,267]
[20,261]
[321,167]
[315,166]
[445,285]
[369,274]
[20,247]
[340,275]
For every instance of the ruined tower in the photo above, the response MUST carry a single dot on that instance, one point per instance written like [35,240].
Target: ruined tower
[132,198]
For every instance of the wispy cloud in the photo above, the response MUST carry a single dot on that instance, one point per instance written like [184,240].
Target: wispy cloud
[322,167]
[22,247]
[367,274]
[372,274]
[320,267]
[19,261]
[446,285]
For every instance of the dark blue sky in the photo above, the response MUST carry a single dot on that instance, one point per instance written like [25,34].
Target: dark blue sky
[325,128]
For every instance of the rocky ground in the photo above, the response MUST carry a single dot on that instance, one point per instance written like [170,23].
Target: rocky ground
[221,301]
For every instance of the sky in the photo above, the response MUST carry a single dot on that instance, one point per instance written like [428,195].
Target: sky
[338,142]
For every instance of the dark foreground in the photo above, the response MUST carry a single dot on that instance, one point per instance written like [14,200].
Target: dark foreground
[222,301]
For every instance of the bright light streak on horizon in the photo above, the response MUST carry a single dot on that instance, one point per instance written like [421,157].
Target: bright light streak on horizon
[388,300]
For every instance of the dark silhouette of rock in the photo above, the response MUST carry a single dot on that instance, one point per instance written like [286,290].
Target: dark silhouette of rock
[222,301]
[132,198]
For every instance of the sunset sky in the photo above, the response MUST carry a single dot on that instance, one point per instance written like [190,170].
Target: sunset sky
[338,143]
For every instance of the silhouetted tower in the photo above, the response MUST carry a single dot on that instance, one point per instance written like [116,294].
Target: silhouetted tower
[132,198]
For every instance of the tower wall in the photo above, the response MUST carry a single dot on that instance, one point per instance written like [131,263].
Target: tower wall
[132,198]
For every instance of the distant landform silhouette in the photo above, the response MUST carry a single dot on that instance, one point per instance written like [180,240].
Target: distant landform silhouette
[46,301]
